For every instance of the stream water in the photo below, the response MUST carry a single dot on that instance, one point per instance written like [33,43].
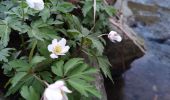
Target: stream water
[149,76]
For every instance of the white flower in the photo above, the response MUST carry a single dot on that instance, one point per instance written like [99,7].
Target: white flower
[56,91]
[58,48]
[36,4]
[114,36]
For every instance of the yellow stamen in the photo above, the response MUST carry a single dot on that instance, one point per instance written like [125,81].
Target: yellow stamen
[57,49]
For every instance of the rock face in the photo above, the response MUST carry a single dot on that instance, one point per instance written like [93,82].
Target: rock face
[149,76]
[147,80]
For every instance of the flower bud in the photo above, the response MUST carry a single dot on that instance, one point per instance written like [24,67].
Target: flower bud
[56,91]
[114,37]
[36,4]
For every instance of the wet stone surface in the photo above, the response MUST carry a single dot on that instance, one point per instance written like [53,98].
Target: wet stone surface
[149,77]
[147,80]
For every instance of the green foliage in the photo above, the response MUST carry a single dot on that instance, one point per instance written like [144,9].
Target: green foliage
[110,10]
[30,32]
[4,53]
[29,93]
[78,74]
[4,33]
[104,65]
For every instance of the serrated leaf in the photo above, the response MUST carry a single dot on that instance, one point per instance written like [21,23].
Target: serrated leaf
[83,87]
[57,68]
[93,91]
[87,7]
[18,76]
[17,24]
[73,32]
[46,76]
[27,80]
[81,71]
[73,22]
[4,53]
[19,65]
[28,93]
[110,10]
[79,85]
[42,48]
[71,64]
[104,65]
[37,59]
[97,44]
[38,85]
[65,7]
[45,14]
[4,33]
[38,23]
[55,22]
[36,34]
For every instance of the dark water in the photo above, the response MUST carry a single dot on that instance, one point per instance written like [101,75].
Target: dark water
[149,76]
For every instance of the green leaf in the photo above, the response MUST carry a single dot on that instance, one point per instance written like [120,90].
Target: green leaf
[71,64]
[38,23]
[54,22]
[17,24]
[82,71]
[34,32]
[79,85]
[48,32]
[73,32]
[19,65]
[29,93]
[87,7]
[18,76]
[42,48]
[104,65]
[4,53]
[26,80]
[73,22]
[93,91]
[65,7]
[85,31]
[46,76]
[57,68]
[41,30]
[4,33]
[83,87]
[110,10]
[37,59]
[45,14]
[97,44]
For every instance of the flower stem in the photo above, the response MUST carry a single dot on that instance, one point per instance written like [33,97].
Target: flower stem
[102,35]
[32,50]
[41,80]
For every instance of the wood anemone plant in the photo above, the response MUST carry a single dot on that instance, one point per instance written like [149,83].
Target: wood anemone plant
[28,27]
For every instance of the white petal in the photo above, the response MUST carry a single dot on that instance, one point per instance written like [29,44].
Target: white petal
[50,47]
[59,83]
[53,94]
[54,42]
[38,6]
[62,42]
[113,32]
[65,97]
[65,49]
[114,36]
[65,89]
[53,56]
[118,38]
[30,3]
